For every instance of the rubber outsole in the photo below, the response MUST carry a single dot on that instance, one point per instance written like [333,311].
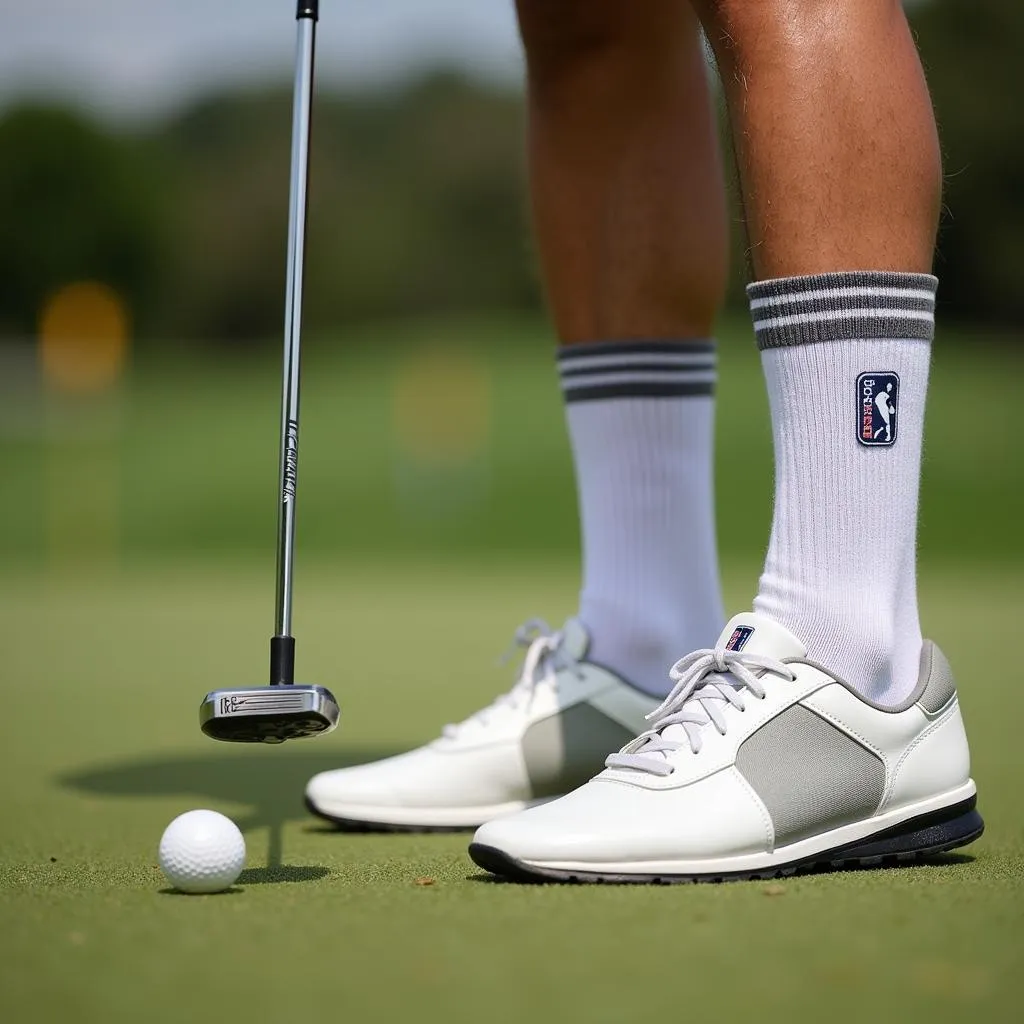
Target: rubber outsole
[913,840]
[357,825]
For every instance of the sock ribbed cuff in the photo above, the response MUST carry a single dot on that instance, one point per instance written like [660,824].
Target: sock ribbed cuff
[850,306]
[637,369]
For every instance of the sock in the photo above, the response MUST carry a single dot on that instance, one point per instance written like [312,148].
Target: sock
[641,422]
[845,357]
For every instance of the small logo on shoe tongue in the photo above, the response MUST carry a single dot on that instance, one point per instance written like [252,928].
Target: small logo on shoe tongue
[878,396]
[740,635]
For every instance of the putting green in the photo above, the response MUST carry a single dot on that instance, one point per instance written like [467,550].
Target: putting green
[101,750]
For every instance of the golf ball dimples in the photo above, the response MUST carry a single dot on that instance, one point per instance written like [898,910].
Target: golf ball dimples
[202,851]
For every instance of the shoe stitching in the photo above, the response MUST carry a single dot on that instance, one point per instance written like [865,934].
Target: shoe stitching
[933,726]
[766,818]
[848,729]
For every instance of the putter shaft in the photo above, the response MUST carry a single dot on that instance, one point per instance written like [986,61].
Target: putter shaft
[282,653]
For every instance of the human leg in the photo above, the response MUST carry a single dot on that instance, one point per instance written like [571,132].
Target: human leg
[630,224]
[629,218]
[820,729]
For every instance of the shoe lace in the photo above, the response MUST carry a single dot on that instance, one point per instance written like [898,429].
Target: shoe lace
[706,682]
[545,657]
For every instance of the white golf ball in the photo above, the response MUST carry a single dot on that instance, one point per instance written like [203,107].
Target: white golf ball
[202,851]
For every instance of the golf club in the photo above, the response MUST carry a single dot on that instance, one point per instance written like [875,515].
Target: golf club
[283,710]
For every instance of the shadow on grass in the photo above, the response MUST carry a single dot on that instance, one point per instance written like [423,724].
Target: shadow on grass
[201,895]
[363,829]
[269,781]
[261,876]
[281,873]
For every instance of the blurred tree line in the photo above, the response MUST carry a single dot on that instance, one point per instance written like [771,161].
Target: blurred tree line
[418,199]
[416,205]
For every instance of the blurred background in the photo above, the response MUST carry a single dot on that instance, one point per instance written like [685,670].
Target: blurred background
[144,155]
[144,158]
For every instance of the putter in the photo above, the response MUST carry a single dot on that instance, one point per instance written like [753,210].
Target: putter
[284,711]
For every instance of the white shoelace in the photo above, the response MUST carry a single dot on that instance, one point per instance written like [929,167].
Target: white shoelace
[706,681]
[545,657]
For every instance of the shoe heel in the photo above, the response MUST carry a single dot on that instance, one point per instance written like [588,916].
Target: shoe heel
[917,838]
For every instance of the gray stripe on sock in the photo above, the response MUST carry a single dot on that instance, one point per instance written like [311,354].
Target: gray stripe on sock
[648,389]
[641,376]
[859,305]
[795,305]
[655,369]
[683,370]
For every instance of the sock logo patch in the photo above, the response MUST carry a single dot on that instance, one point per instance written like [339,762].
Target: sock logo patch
[739,638]
[878,396]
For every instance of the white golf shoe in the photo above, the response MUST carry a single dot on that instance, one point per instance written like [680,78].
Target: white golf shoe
[545,737]
[758,764]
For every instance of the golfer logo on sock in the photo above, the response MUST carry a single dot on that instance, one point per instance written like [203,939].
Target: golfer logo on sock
[877,400]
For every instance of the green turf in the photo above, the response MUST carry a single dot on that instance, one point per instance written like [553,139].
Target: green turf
[100,749]
[182,461]
[412,575]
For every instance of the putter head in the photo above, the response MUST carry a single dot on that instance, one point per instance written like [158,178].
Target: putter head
[268,714]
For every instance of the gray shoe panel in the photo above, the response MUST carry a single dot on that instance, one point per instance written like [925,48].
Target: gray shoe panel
[939,686]
[568,749]
[810,775]
[935,679]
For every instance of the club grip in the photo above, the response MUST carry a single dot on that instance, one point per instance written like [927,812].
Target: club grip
[282,660]
[309,9]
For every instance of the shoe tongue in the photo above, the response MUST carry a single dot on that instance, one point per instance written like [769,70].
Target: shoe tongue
[757,634]
[575,639]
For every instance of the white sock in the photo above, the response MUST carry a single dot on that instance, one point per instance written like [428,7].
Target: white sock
[641,423]
[841,566]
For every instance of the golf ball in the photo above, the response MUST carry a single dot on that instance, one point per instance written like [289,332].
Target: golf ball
[202,851]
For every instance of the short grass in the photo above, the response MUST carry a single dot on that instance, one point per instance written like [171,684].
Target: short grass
[102,677]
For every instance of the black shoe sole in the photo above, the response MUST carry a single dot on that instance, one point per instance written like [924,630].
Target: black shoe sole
[913,840]
[355,825]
